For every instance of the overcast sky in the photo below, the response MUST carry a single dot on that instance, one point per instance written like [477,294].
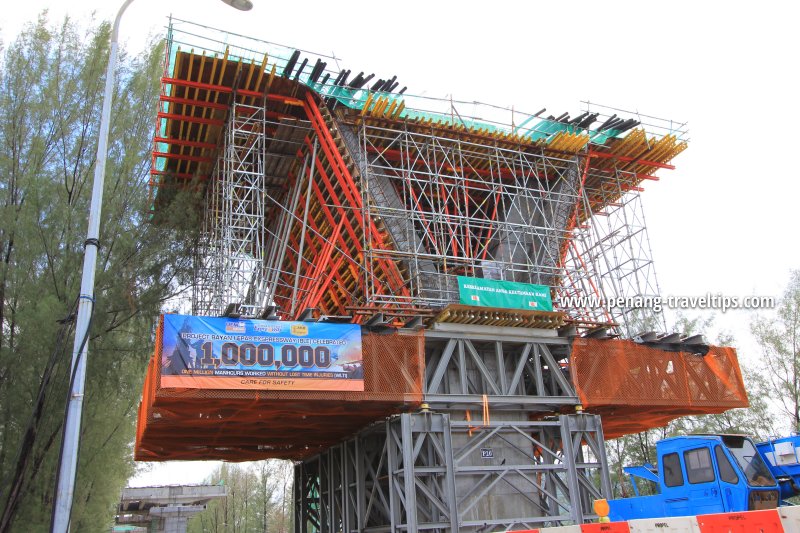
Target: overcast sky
[723,221]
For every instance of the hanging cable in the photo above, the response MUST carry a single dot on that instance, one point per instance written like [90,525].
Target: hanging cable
[74,373]
[31,428]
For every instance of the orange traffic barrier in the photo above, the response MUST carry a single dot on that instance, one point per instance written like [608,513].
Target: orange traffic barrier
[767,521]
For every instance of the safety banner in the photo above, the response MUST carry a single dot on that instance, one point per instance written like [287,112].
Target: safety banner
[506,294]
[228,353]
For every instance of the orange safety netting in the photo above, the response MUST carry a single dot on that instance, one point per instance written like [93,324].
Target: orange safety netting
[245,425]
[636,387]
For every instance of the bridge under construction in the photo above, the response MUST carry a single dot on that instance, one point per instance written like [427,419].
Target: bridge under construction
[468,256]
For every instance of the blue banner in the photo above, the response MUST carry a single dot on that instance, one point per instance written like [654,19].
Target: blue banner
[231,353]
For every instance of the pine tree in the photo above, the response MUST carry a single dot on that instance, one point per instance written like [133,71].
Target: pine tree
[51,87]
[779,338]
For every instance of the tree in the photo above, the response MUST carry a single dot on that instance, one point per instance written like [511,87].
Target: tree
[51,86]
[257,500]
[779,338]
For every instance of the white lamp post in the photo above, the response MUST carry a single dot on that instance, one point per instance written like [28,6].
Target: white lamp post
[72,425]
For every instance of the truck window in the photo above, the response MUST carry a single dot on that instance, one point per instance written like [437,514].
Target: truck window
[698,465]
[671,466]
[755,471]
[726,471]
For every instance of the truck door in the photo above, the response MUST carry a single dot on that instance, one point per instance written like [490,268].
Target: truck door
[734,495]
[676,499]
[703,487]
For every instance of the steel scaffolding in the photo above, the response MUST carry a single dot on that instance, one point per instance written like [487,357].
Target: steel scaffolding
[448,207]
[329,194]
[463,207]
[331,197]
[616,247]
[233,236]
[237,250]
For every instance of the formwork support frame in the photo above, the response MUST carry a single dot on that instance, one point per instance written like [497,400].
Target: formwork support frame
[423,209]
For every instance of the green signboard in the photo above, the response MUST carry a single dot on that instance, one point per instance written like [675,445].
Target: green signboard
[507,294]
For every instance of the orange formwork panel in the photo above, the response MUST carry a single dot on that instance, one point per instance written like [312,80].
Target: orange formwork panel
[246,424]
[636,387]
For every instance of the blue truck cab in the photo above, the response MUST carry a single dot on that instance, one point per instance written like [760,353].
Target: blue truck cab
[701,474]
[783,459]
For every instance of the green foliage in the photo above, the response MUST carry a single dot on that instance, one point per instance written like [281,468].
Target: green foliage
[635,449]
[51,88]
[259,500]
[779,338]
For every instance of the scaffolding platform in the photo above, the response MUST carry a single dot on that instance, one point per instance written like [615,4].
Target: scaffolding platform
[637,387]
[491,316]
[455,367]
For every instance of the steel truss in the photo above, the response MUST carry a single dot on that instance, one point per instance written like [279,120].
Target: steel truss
[477,458]
[429,472]
[501,367]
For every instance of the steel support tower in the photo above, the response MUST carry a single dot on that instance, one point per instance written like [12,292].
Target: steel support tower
[486,453]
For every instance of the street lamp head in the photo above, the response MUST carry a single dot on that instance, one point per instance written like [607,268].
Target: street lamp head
[241,5]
